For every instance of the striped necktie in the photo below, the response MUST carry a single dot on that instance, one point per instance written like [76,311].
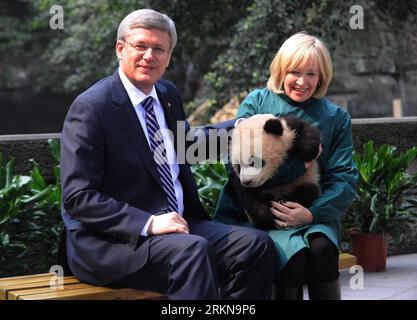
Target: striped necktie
[159,151]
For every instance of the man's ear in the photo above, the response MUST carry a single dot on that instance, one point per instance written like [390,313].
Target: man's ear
[169,60]
[119,48]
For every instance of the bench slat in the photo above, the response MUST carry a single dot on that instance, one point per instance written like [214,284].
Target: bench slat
[66,295]
[37,287]
[119,294]
[32,279]
[30,276]
[29,279]
[4,289]
[16,294]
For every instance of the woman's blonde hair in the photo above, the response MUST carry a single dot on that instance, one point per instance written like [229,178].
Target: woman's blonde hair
[295,52]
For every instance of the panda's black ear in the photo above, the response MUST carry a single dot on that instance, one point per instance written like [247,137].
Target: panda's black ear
[274,126]
[308,138]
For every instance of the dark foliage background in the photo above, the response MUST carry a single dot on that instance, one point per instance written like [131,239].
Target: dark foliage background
[224,47]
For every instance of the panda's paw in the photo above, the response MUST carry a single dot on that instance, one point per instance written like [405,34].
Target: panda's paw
[282,200]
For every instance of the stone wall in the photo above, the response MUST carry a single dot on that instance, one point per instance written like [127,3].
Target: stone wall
[30,146]
[374,66]
[401,132]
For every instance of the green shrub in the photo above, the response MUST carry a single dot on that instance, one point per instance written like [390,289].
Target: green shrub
[210,179]
[30,221]
[385,201]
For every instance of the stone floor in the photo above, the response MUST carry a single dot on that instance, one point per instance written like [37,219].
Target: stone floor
[397,282]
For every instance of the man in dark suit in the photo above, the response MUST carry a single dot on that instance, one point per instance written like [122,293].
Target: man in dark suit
[131,220]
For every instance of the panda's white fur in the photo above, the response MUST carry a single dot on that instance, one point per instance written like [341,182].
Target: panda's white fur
[259,146]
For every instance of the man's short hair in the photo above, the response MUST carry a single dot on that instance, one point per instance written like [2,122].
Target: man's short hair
[147,19]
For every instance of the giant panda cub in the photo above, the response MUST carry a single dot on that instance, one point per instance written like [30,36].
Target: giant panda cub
[259,147]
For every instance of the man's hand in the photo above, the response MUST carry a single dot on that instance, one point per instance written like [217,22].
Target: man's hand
[290,214]
[171,222]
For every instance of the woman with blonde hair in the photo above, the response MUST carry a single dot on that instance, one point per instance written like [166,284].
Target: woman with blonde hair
[307,239]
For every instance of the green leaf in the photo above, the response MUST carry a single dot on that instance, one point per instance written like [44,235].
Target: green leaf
[5,240]
[39,195]
[9,173]
[2,173]
[39,182]
[54,146]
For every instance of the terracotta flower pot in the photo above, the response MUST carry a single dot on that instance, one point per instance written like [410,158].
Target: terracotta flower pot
[370,251]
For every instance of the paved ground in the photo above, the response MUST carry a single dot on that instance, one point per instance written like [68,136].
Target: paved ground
[397,282]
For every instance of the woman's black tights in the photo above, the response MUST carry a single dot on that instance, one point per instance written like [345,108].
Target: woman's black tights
[317,264]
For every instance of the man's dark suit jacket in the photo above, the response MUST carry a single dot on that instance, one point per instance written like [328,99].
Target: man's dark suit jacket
[110,184]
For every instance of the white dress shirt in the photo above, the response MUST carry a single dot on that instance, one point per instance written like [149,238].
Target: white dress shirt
[136,97]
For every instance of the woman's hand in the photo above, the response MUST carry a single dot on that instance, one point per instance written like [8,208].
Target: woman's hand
[290,214]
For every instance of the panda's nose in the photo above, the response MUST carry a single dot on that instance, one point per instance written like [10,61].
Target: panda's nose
[246,182]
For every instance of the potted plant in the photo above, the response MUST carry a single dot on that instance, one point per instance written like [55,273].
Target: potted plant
[384,204]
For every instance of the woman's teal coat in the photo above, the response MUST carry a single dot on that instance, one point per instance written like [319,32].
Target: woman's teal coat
[338,172]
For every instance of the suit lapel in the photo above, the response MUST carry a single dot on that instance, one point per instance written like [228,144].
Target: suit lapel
[169,110]
[129,123]
[172,114]
[171,117]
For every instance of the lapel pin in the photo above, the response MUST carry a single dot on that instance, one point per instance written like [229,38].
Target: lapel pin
[169,104]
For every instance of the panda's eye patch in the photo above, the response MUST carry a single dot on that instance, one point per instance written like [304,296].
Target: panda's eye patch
[256,162]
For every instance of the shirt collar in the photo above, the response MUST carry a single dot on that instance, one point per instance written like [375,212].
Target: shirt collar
[136,95]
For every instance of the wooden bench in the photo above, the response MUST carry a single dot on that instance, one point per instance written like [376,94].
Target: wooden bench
[37,287]
[346,260]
